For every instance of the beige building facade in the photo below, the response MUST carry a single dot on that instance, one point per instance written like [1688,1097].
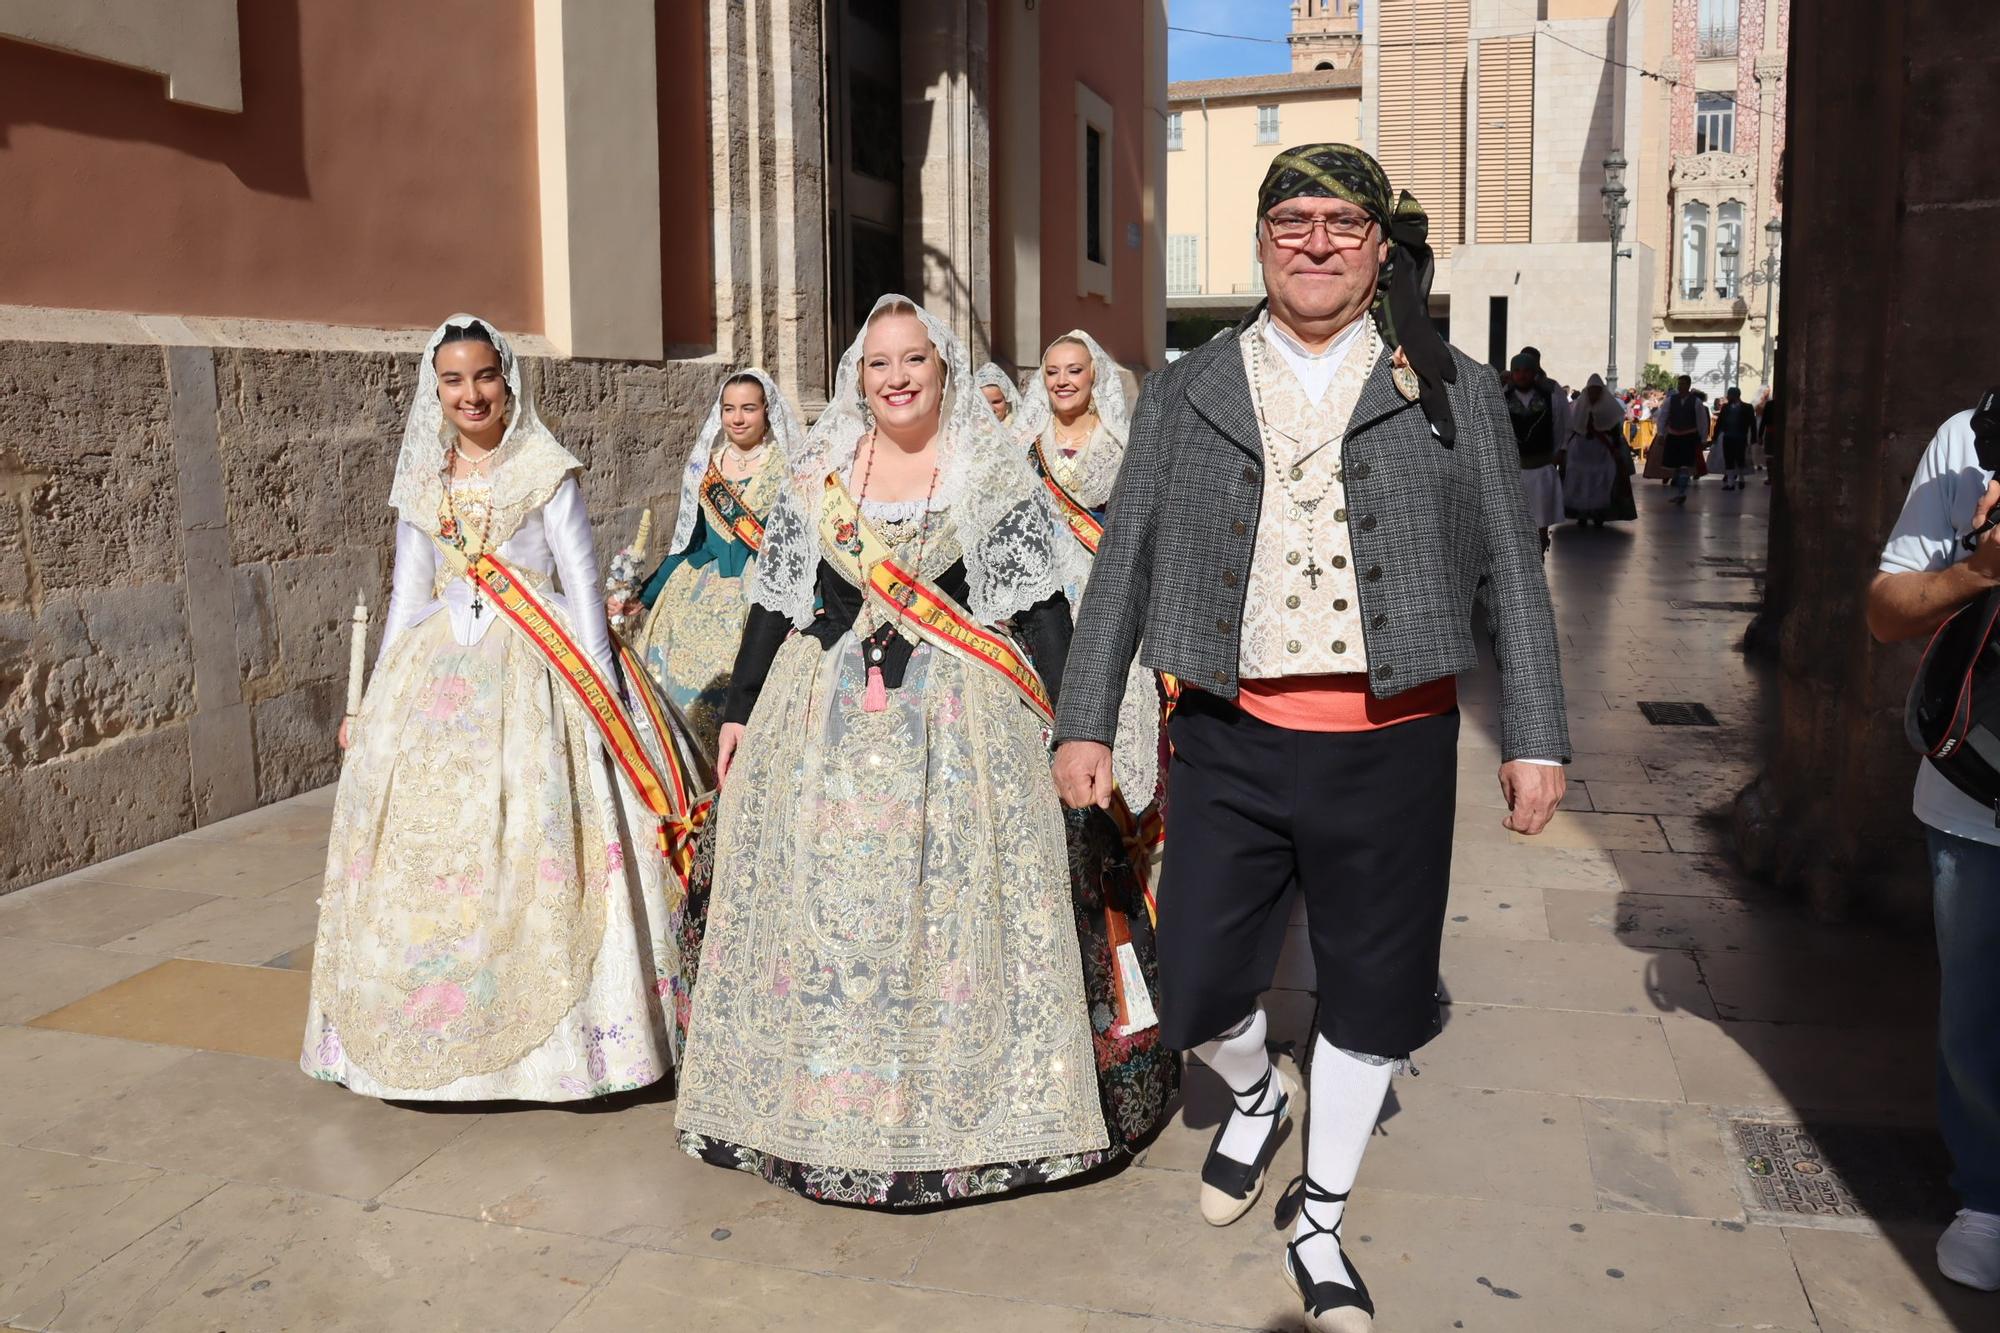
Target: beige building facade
[1221,137]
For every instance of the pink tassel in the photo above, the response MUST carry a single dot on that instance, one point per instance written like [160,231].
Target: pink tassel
[877,697]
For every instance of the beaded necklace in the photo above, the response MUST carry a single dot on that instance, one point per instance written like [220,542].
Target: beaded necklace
[1290,475]
[876,697]
[455,530]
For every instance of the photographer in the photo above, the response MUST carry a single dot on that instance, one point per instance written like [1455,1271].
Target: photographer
[1936,562]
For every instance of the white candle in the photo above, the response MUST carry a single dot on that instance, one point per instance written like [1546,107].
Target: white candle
[357,653]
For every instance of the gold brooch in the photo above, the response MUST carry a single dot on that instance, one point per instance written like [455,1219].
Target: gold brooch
[1405,379]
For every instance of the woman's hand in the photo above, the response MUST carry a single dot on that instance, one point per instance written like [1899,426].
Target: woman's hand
[343,731]
[725,750]
[615,606]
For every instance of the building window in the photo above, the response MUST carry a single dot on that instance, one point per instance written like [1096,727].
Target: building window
[1694,250]
[1714,123]
[1728,250]
[1173,131]
[1183,264]
[1715,33]
[1095,223]
[1267,124]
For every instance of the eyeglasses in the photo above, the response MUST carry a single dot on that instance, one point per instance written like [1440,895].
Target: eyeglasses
[1344,231]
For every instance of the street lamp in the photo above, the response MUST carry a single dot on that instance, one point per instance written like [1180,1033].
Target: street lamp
[1614,213]
[1726,285]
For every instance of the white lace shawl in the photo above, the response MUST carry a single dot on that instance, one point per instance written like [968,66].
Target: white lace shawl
[1107,394]
[1004,520]
[1000,379]
[782,435]
[527,467]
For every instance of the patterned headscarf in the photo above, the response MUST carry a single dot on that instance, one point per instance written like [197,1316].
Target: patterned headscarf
[1402,295]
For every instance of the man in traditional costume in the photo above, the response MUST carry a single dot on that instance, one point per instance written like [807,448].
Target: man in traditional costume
[1310,505]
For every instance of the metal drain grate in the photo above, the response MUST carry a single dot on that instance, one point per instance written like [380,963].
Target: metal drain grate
[1834,1172]
[1716,606]
[1678,714]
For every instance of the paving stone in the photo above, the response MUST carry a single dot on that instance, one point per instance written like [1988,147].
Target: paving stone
[89,913]
[1546,974]
[1543,1050]
[1480,910]
[65,1215]
[49,1076]
[711,1296]
[253,1257]
[1884,1282]
[1433,1263]
[1440,1138]
[1569,829]
[1659,1157]
[1527,862]
[618,1175]
[1788,1067]
[35,977]
[1669,921]
[242,1118]
[1902,989]
[1677,873]
[205,1006]
[226,868]
[228,930]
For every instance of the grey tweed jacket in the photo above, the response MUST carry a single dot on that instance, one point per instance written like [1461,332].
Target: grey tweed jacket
[1432,528]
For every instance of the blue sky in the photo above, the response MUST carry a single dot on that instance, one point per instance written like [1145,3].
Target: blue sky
[1192,57]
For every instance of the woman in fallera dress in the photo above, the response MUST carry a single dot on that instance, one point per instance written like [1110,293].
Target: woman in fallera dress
[494,922]
[696,600]
[1002,394]
[1076,423]
[919,982]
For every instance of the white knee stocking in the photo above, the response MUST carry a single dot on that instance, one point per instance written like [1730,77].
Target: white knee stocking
[1346,1097]
[1240,1060]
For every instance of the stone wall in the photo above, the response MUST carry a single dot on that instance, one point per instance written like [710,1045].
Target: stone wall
[183,531]
[1890,284]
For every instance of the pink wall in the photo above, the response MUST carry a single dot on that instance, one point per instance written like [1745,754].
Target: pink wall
[382,172]
[1105,58]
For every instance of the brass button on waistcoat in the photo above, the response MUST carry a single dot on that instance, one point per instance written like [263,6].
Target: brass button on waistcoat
[1292,602]
[1340,516]
[1292,646]
[1298,474]
[1340,603]
[1340,562]
[1340,645]
[1291,557]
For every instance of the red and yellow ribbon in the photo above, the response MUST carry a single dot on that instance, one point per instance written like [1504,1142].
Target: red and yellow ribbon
[934,616]
[1083,525]
[666,793]
[729,511]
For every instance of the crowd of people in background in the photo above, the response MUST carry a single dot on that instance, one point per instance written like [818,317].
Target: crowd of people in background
[1580,447]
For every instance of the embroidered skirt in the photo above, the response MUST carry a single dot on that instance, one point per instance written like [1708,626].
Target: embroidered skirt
[493,924]
[905,995]
[689,644]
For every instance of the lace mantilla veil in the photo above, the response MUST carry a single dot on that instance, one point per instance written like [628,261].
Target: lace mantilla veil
[1003,517]
[1001,380]
[527,467]
[782,434]
[1107,393]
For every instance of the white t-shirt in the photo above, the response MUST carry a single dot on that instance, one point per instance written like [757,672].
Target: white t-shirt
[1938,512]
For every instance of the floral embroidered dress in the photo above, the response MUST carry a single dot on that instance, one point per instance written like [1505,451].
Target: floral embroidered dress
[698,597]
[908,988]
[495,921]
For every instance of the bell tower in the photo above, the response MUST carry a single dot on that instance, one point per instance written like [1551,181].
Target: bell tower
[1326,34]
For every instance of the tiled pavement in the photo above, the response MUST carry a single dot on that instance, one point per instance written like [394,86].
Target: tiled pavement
[1562,1162]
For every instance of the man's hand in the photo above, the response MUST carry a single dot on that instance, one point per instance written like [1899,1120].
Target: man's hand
[1533,792]
[1985,561]
[1083,774]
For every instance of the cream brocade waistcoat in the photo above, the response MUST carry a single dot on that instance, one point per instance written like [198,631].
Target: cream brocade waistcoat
[1301,615]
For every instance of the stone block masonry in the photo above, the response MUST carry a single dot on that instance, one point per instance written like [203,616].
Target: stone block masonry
[183,530]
